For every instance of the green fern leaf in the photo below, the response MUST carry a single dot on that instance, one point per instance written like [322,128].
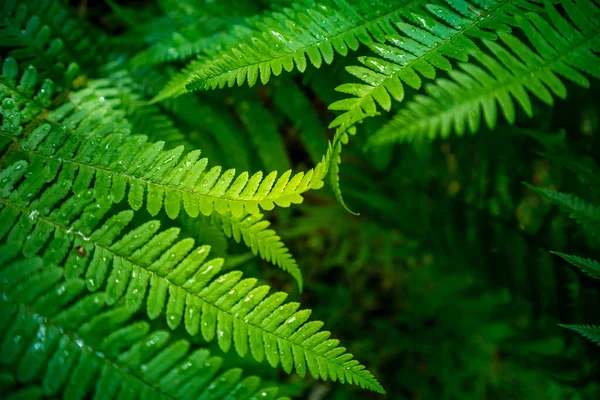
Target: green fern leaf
[253,230]
[145,264]
[278,40]
[586,265]
[560,48]
[427,46]
[169,178]
[64,343]
[587,331]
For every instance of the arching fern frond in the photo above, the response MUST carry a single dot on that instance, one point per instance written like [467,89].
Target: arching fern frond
[67,136]
[63,343]
[429,44]
[559,47]
[587,331]
[253,230]
[28,202]
[145,265]
[278,40]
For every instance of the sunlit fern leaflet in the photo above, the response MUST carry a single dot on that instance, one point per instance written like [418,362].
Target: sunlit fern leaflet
[145,264]
[57,340]
[511,68]
[281,39]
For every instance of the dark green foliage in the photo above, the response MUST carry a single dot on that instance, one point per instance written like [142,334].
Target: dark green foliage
[137,226]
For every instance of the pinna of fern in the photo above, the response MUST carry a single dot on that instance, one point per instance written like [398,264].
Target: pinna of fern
[281,39]
[145,265]
[56,339]
[560,47]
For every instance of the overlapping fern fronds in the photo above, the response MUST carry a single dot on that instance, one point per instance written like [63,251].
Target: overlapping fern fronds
[152,267]
[283,39]
[424,46]
[69,134]
[56,340]
[560,47]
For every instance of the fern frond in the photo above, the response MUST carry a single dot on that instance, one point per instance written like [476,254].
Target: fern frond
[586,265]
[66,344]
[20,201]
[147,265]
[67,136]
[429,44]
[558,47]
[587,331]
[586,214]
[253,230]
[278,40]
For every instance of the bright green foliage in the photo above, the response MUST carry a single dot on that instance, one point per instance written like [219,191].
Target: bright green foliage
[61,341]
[509,69]
[145,264]
[169,177]
[278,40]
[253,230]
[427,45]
[587,331]
[587,266]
